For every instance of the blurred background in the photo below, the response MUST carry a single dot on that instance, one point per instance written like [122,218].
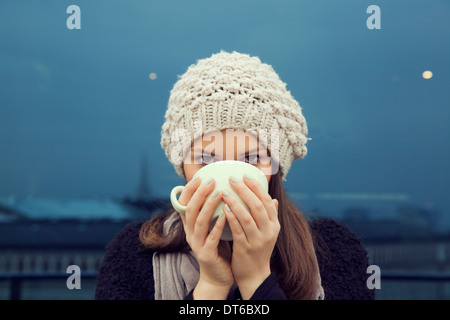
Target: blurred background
[81,112]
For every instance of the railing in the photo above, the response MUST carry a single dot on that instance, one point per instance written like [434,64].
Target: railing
[14,282]
[410,255]
[409,270]
[412,285]
[415,276]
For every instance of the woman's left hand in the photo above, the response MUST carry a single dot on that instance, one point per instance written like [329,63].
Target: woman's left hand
[255,232]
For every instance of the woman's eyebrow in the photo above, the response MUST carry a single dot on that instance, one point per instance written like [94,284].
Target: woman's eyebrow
[202,150]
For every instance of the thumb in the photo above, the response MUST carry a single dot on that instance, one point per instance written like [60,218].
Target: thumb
[275,202]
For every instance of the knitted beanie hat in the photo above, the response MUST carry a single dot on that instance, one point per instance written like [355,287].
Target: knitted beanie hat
[234,91]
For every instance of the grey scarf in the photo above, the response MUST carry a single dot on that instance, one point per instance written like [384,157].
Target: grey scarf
[177,273]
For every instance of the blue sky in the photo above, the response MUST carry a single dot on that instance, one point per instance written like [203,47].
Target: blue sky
[78,109]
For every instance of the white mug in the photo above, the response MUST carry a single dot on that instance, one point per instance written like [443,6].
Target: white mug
[221,172]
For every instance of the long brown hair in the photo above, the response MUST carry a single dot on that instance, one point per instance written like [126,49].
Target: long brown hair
[293,259]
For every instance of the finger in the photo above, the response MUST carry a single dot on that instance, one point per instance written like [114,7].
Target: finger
[257,188]
[235,226]
[243,216]
[202,223]
[196,202]
[275,201]
[186,195]
[188,191]
[212,241]
[256,207]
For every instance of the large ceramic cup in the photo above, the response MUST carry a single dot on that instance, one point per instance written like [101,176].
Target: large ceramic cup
[221,172]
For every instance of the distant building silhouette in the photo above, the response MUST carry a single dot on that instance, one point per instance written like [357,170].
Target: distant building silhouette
[143,190]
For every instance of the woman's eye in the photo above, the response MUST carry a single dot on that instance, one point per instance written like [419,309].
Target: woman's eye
[252,158]
[205,159]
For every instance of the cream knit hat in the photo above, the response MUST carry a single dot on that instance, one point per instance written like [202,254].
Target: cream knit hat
[234,91]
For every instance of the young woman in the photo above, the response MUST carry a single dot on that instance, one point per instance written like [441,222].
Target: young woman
[220,109]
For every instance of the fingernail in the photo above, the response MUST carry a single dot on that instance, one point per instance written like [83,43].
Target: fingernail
[248,177]
[195,179]
[227,207]
[209,180]
[225,193]
[215,193]
[234,178]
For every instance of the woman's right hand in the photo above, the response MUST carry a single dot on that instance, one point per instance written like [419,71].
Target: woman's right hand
[213,255]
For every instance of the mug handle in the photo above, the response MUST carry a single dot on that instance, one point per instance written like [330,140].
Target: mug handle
[173,198]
